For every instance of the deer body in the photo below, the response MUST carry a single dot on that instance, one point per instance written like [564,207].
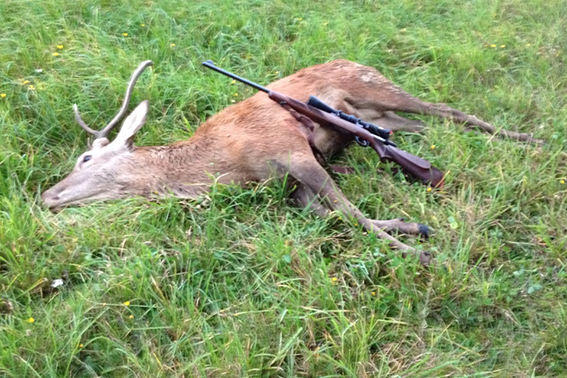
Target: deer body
[255,140]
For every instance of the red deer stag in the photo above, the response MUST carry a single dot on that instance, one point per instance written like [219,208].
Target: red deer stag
[254,140]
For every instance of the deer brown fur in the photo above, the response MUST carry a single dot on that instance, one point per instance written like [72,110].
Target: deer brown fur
[255,140]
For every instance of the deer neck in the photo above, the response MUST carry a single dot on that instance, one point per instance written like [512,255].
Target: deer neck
[184,169]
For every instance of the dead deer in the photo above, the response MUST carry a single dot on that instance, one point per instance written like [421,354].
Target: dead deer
[252,141]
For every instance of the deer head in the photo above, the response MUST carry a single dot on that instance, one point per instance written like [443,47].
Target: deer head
[105,171]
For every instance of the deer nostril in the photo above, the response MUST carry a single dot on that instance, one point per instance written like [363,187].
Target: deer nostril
[49,197]
[52,202]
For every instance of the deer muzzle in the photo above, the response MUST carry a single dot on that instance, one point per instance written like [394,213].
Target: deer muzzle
[51,197]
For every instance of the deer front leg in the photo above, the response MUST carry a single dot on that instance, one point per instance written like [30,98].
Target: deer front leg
[304,197]
[307,170]
[393,225]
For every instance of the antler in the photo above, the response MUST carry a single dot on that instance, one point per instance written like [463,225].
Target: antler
[104,132]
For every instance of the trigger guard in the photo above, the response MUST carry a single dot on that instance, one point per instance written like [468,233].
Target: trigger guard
[362,142]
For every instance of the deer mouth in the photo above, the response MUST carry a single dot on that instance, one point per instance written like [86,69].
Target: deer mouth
[56,199]
[55,204]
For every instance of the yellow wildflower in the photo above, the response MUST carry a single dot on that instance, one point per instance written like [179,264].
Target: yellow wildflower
[493,45]
[131,317]
[334,279]
[30,320]
[142,25]
[373,293]
[236,94]
[562,182]
[233,82]
[125,34]
[81,345]
[528,45]
[502,46]
[26,82]
[173,45]
[2,95]
[127,303]
[429,189]
[432,146]
[55,54]
[31,87]
[59,47]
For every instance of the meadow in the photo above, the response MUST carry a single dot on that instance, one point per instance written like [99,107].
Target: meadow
[242,283]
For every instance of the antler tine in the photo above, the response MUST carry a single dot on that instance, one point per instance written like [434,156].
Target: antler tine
[106,130]
[82,123]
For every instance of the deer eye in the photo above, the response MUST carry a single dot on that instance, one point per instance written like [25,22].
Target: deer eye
[87,158]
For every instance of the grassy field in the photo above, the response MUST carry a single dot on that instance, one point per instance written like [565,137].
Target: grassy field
[246,284]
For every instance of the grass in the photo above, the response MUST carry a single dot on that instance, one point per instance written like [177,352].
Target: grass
[246,284]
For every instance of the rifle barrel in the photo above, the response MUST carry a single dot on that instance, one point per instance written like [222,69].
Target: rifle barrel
[210,64]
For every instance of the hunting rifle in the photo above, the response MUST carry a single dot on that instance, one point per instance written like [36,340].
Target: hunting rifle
[365,135]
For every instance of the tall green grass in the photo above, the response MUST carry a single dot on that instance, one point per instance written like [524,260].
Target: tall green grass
[244,284]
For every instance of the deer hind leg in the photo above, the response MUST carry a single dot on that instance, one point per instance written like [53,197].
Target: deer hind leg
[383,98]
[317,182]
[394,122]
[444,111]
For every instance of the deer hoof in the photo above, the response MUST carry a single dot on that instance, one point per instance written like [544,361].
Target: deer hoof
[425,258]
[423,230]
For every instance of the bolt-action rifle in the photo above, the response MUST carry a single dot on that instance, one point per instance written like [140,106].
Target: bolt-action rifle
[365,133]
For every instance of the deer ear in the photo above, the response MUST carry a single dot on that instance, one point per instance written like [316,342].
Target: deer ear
[132,125]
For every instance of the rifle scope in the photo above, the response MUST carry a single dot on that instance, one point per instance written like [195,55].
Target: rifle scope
[370,127]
